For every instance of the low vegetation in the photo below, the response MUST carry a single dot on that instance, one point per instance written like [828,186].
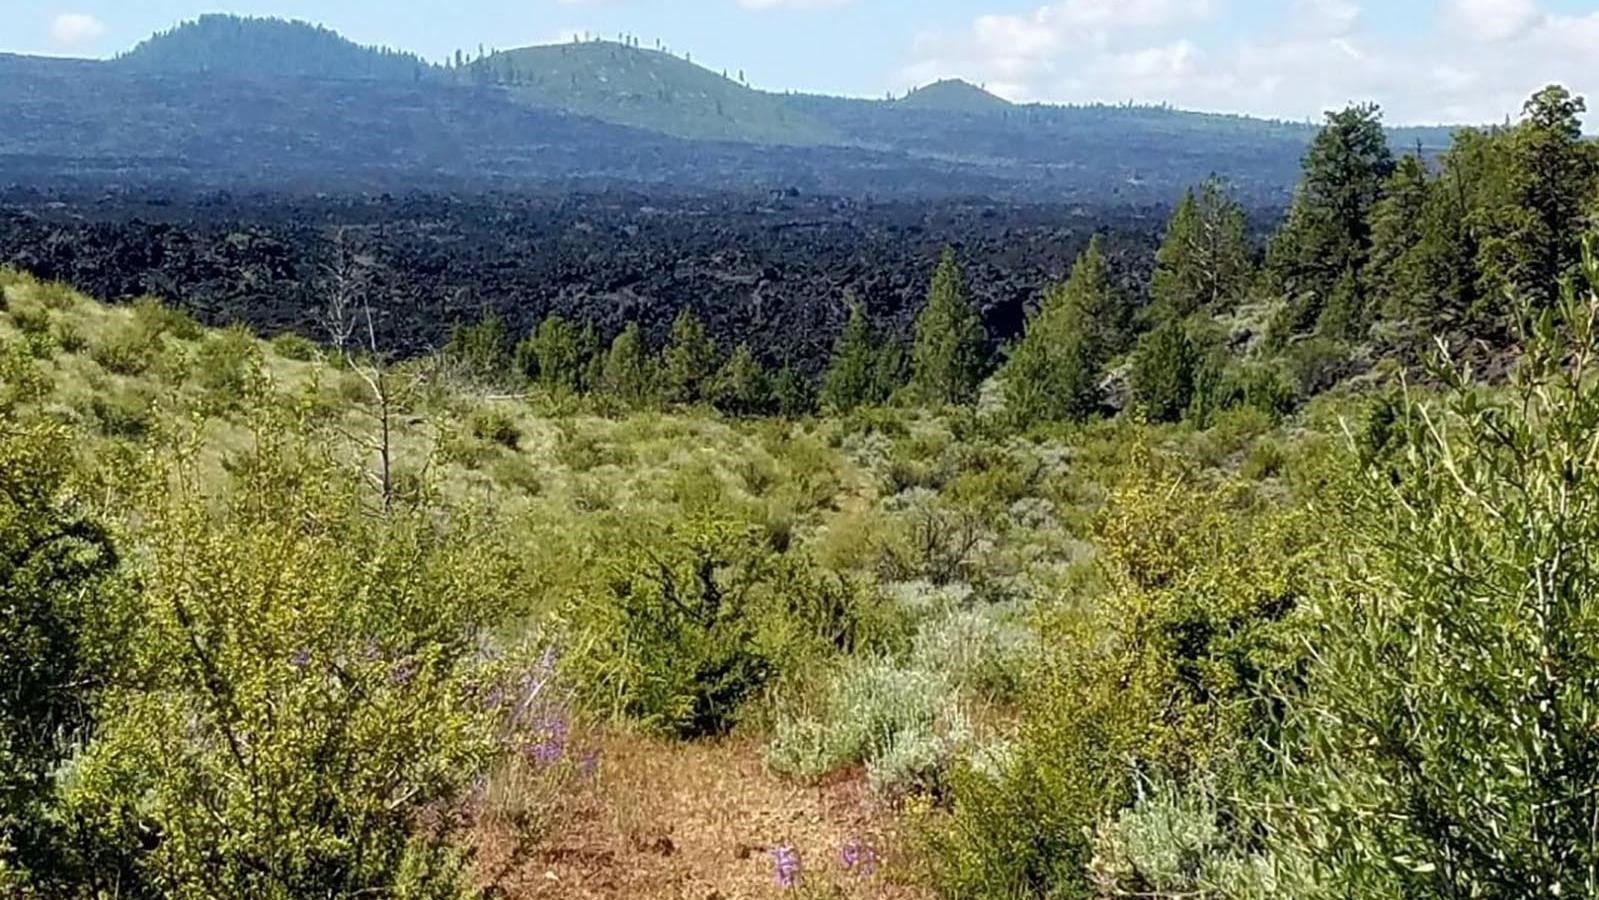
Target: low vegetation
[1172,601]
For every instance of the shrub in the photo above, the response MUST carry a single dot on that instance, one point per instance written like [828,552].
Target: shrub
[21,378]
[294,347]
[128,413]
[305,717]
[69,337]
[1444,744]
[55,295]
[670,641]
[156,319]
[31,321]
[495,426]
[1165,674]
[127,350]
[226,361]
[901,722]
[61,639]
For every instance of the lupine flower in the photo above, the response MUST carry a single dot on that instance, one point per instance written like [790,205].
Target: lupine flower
[548,743]
[403,673]
[300,659]
[786,866]
[858,857]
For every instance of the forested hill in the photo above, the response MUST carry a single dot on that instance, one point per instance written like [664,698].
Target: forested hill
[273,48]
[250,103]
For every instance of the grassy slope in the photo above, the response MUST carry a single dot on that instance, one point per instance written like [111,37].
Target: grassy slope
[652,90]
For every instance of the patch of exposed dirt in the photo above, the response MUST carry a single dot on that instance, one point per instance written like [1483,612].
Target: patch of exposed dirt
[666,820]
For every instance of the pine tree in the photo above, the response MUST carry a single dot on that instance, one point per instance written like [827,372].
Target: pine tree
[481,349]
[1204,260]
[689,361]
[1053,373]
[851,376]
[741,387]
[792,393]
[947,357]
[559,351]
[1328,231]
[1399,277]
[1553,173]
[629,374]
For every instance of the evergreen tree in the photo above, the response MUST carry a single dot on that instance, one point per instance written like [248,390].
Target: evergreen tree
[629,374]
[1053,373]
[592,358]
[1399,278]
[689,361]
[1204,260]
[891,369]
[792,393]
[947,356]
[558,348]
[481,349]
[852,377]
[741,387]
[1163,372]
[1327,236]
[1553,173]
[525,360]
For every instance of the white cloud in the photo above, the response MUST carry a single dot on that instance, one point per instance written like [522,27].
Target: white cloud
[70,29]
[761,5]
[1490,21]
[1318,57]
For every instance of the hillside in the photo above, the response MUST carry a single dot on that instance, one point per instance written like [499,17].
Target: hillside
[953,95]
[647,89]
[268,48]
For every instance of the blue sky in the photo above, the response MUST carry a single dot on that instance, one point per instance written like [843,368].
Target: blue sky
[1424,60]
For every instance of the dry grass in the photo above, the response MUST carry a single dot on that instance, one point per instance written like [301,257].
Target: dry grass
[673,821]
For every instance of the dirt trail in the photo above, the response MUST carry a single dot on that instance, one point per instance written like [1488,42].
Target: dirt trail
[677,821]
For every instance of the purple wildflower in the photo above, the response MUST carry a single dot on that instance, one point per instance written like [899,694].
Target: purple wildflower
[786,866]
[547,745]
[858,857]
[300,659]
[403,673]
[590,766]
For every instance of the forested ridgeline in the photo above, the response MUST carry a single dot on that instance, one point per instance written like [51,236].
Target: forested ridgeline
[288,619]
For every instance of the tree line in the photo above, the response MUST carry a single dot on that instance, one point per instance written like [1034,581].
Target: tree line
[1378,254]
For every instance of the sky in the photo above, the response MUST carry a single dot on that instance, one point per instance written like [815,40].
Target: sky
[1425,61]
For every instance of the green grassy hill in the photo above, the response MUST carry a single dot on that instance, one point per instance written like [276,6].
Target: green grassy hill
[648,89]
[953,95]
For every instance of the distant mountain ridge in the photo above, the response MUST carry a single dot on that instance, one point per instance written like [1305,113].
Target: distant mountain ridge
[225,100]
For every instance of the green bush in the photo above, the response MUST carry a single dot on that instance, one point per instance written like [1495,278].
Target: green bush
[1164,674]
[61,641]
[126,413]
[157,319]
[226,361]
[294,347]
[1444,744]
[69,337]
[495,426]
[303,715]
[31,321]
